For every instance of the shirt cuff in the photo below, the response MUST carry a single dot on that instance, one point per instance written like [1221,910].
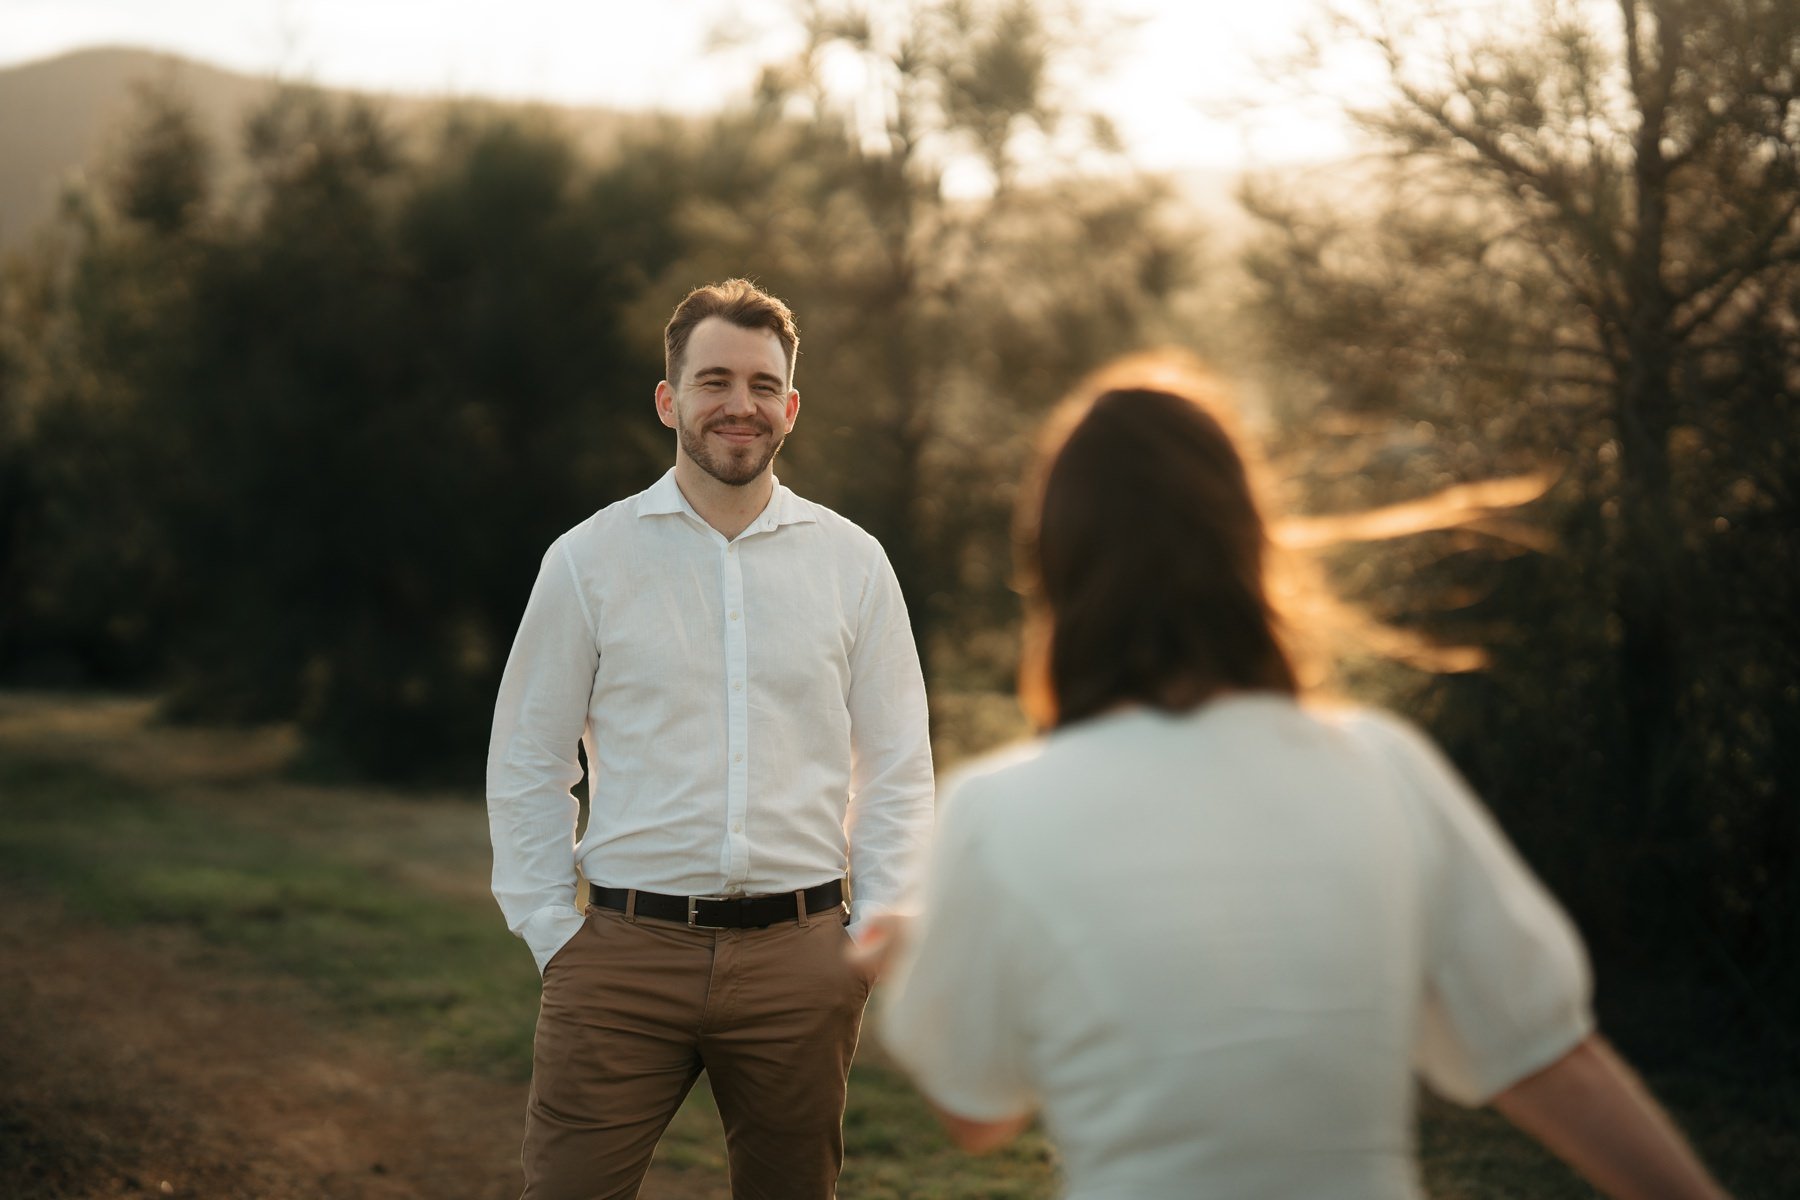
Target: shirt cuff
[549,929]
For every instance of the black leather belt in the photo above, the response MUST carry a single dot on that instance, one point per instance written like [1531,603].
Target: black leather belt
[722,912]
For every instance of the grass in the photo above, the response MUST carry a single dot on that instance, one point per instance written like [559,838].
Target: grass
[372,908]
[370,948]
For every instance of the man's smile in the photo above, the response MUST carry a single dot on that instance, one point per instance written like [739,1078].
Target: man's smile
[737,433]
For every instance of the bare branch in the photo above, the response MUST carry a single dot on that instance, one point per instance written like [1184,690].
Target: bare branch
[1734,274]
[1546,182]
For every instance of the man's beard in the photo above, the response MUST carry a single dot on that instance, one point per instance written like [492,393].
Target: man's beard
[732,469]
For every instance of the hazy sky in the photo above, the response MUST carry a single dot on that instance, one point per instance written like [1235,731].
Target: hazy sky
[654,53]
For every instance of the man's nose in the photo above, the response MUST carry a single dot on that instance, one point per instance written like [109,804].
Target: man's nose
[738,400]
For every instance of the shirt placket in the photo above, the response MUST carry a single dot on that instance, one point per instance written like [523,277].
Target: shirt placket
[737,720]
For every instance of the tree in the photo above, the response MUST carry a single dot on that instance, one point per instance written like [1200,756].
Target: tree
[1586,250]
[336,416]
[295,456]
[956,259]
[408,373]
[89,318]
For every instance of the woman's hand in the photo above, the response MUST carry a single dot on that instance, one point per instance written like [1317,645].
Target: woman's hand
[878,939]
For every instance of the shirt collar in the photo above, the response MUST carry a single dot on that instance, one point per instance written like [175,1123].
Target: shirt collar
[784,508]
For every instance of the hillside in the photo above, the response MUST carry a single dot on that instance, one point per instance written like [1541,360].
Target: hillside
[58,116]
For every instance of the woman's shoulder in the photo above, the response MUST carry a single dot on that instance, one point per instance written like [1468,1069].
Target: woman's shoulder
[1053,756]
[1028,779]
[1377,729]
[996,772]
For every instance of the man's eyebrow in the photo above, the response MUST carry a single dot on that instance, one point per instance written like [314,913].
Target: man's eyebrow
[727,373]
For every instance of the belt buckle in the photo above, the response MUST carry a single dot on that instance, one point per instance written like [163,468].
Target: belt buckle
[693,905]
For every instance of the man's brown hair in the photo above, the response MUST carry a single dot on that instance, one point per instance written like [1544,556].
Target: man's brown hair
[738,301]
[1143,552]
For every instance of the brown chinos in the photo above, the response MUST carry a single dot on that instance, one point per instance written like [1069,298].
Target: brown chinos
[635,1008]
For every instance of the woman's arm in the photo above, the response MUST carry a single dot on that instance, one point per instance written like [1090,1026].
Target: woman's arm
[878,942]
[1590,1110]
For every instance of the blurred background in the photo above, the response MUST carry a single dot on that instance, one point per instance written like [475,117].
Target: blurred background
[318,321]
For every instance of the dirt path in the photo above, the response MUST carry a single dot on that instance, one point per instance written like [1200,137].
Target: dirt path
[129,1068]
[124,1074]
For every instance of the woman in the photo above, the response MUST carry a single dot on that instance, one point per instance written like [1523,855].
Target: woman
[1208,931]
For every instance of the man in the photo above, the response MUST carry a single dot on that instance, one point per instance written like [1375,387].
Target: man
[737,664]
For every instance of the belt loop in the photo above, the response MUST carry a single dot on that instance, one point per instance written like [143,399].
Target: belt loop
[631,905]
[800,905]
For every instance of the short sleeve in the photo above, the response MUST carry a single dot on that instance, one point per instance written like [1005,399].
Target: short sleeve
[1507,984]
[953,1015]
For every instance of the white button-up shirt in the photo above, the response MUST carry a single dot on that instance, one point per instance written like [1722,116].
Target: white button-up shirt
[752,711]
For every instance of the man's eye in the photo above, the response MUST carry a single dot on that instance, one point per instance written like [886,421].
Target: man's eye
[712,385]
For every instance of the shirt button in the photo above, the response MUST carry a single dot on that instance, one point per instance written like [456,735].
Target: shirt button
[734,614]
[737,758]
[737,685]
[737,827]
[731,548]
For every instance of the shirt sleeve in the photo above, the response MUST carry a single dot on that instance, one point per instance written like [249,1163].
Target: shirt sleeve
[539,721]
[953,1010]
[1508,988]
[891,784]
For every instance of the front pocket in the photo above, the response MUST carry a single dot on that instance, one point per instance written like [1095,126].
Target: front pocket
[562,951]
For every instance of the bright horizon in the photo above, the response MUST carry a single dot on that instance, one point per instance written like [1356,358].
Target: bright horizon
[1179,61]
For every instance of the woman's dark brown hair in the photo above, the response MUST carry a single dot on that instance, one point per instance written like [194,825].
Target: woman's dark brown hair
[1143,552]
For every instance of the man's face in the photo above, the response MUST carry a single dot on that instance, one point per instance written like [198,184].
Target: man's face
[732,406]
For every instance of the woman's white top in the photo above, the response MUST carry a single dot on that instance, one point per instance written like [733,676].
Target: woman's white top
[1213,948]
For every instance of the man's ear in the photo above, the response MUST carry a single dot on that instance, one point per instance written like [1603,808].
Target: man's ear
[665,403]
[793,410]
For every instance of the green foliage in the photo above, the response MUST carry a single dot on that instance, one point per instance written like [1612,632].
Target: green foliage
[86,331]
[163,181]
[294,450]
[298,456]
